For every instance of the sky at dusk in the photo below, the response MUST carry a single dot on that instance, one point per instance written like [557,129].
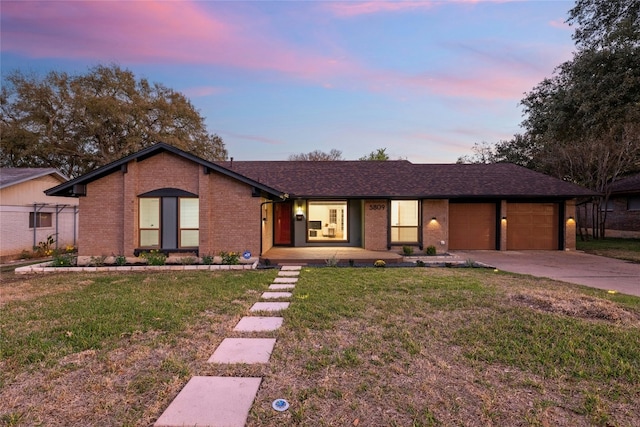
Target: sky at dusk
[423,79]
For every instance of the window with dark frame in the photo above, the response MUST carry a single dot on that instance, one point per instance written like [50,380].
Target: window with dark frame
[149,221]
[40,219]
[404,221]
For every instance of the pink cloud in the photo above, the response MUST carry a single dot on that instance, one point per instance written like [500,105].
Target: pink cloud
[347,9]
[199,91]
[559,23]
[254,138]
[357,8]
[154,31]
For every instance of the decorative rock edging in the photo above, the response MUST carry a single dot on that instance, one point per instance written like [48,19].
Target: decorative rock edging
[45,267]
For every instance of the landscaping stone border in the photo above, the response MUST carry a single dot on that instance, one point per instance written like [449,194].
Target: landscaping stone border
[45,267]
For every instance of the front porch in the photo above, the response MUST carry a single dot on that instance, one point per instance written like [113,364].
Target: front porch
[320,255]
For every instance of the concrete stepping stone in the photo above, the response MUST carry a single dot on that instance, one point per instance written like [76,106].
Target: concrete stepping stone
[243,350]
[275,295]
[289,273]
[281,287]
[269,306]
[291,268]
[212,401]
[285,280]
[258,324]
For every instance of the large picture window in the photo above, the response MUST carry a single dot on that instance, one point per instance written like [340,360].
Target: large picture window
[404,221]
[327,221]
[169,222]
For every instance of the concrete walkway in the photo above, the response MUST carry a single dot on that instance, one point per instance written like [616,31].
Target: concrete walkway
[567,266]
[226,401]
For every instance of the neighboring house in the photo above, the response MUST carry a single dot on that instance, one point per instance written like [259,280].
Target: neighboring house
[28,216]
[164,198]
[623,209]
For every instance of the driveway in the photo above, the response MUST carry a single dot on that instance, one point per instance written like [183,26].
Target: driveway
[572,266]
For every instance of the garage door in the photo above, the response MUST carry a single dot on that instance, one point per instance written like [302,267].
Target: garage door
[532,226]
[472,226]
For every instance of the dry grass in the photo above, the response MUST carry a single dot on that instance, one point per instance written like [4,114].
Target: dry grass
[359,347]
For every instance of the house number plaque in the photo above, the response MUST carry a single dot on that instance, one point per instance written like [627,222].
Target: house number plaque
[377,207]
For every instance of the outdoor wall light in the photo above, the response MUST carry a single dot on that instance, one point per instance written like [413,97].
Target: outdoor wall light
[433,218]
[504,218]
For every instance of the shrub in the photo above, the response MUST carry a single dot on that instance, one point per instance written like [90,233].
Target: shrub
[332,262]
[419,263]
[188,260]
[45,248]
[430,251]
[97,261]
[207,259]
[379,263]
[62,260]
[120,260]
[154,257]
[407,250]
[230,258]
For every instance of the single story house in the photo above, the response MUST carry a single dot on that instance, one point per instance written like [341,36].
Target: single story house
[623,208]
[28,216]
[166,199]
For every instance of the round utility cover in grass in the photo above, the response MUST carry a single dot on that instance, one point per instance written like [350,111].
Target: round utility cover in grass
[280,405]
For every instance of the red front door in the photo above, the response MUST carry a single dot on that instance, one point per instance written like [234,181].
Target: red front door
[283,212]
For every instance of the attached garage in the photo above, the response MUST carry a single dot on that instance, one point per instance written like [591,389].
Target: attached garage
[472,226]
[533,226]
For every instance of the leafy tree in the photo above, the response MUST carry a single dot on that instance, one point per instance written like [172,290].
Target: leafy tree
[605,23]
[318,155]
[379,155]
[583,123]
[76,123]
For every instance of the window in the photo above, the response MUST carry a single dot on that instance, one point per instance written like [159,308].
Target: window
[40,219]
[189,222]
[608,207]
[326,221]
[404,221]
[150,222]
[633,203]
[169,222]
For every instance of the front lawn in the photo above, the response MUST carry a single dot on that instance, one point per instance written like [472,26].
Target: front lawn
[367,347]
[625,249]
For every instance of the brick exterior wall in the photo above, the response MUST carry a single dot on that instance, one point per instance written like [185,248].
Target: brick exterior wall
[376,223]
[620,221]
[101,220]
[229,215]
[570,225]
[434,232]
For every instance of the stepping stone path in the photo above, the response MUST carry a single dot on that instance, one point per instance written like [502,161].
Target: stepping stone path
[226,401]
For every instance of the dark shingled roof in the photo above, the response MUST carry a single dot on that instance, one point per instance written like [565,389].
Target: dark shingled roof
[630,184]
[364,179]
[13,176]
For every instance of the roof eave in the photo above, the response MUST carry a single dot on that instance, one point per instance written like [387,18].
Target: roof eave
[66,189]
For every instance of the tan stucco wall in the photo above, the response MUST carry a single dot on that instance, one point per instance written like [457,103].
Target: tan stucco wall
[16,204]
